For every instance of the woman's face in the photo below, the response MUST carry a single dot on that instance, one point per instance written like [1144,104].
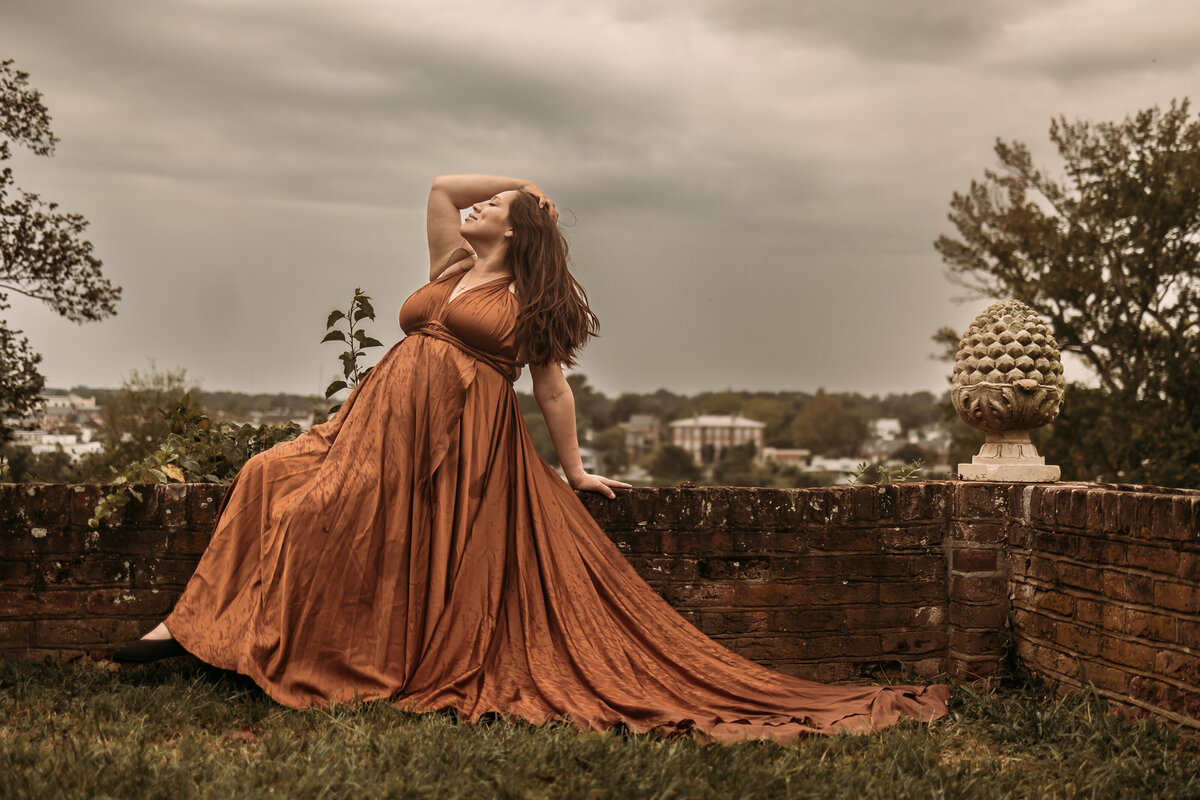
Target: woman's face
[489,220]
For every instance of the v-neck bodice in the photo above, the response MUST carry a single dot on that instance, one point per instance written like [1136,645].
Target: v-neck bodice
[483,317]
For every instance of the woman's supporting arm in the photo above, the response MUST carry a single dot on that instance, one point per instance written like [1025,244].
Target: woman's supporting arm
[554,398]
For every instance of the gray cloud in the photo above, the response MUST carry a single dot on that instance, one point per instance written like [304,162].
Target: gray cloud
[756,184]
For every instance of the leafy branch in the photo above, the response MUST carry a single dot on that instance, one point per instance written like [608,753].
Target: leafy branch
[357,340]
[869,473]
[197,450]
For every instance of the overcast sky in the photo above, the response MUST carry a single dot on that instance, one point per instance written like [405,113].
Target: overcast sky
[755,185]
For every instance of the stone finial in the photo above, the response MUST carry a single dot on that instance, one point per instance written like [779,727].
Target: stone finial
[1007,381]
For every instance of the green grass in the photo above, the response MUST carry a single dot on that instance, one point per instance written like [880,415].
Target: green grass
[180,730]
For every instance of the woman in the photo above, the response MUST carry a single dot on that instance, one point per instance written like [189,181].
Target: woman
[415,548]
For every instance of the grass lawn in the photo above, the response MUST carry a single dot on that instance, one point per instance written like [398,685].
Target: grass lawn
[178,729]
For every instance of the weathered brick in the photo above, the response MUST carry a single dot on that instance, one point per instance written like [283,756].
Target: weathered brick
[981,642]
[173,497]
[1189,566]
[974,560]
[20,544]
[128,540]
[844,539]
[204,500]
[837,646]
[15,634]
[1185,519]
[991,615]
[664,568]
[814,505]
[1042,569]
[911,501]
[22,603]
[810,619]
[147,511]
[912,642]
[1077,509]
[977,590]
[979,501]
[979,532]
[756,542]
[1053,542]
[912,537]
[1127,653]
[1114,519]
[628,541]
[1089,611]
[880,617]
[83,499]
[91,631]
[1177,596]
[1095,510]
[46,505]
[1026,623]
[862,501]
[917,592]
[1155,559]
[1105,676]
[1019,535]
[1183,667]
[1099,550]
[1077,575]
[1161,518]
[1127,587]
[1076,638]
[93,569]
[121,602]
[885,502]
[843,592]
[153,573]
[972,669]
[695,542]
[21,574]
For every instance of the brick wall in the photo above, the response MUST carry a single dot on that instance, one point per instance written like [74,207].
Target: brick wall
[1106,589]
[1090,582]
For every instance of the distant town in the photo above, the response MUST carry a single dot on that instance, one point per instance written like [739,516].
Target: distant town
[794,439]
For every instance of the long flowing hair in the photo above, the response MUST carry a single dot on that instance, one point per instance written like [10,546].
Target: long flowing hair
[554,320]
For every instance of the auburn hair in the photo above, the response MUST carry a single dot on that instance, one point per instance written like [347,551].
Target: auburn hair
[553,320]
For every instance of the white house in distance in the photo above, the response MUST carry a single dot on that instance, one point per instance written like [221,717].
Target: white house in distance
[719,431]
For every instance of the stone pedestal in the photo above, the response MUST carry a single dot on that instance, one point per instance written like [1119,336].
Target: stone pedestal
[1011,457]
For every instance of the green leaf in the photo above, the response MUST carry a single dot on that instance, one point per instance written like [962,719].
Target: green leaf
[366,341]
[365,310]
[334,316]
[334,388]
[334,336]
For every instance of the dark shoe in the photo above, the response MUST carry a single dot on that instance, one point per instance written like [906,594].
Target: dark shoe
[144,650]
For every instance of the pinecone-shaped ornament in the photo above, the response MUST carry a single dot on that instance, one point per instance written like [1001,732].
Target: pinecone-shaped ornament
[1007,381]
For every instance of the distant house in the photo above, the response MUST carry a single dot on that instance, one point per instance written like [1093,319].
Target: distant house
[643,434]
[705,436]
[787,455]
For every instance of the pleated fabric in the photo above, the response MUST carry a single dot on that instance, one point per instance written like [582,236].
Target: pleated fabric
[416,549]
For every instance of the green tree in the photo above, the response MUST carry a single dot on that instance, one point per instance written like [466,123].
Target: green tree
[829,426]
[736,466]
[671,462]
[42,252]
[133,422]
[1110,257]
[610,446]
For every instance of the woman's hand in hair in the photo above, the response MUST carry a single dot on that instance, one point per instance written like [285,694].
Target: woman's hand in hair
[543,201]
[598,483]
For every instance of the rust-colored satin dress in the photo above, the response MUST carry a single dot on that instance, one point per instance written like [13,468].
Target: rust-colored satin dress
[416,548]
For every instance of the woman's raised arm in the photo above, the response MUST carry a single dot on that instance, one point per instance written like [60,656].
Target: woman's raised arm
[450,193]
